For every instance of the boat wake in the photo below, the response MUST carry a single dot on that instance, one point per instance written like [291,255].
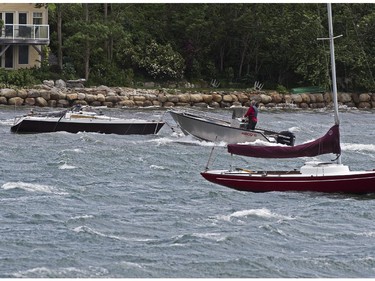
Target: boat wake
[185,140]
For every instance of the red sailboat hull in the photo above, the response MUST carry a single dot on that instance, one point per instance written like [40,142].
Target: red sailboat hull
[359,183]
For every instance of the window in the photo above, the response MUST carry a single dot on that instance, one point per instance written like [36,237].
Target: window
[9,57]
[37,18]
[22,18]
[23,54]
[9,24]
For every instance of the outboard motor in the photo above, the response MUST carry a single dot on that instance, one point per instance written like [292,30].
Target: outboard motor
[286,137]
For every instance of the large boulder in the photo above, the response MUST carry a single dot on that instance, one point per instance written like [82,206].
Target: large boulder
[207,98]
[127,103]
[172,98]
[30,101]
[227,98]
[184,98]
[344,97]
[60,83]
[196,98]
[22,93]
[296,99]
[364,98]
[264,99]
[39,101]
[17,101]
[217,97]
[8,93]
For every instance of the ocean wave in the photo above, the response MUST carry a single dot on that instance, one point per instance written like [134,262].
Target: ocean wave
[187,140]
[358,147]
[32,187]
[261,213]
[82,217]
[77,150]
[294,129]
[44,272]
[89,230]
[86,229]
[210,236]
[66,167]
[7,122]
[156,167]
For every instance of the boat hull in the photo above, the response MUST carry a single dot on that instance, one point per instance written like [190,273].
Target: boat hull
[215,131]
[46,126]
[356,183]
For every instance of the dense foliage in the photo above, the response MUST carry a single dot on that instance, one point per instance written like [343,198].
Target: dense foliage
[235,44]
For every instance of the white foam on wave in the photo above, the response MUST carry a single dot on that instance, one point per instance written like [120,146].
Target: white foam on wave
[82,217]
[156,167]
[358,147]
[86,229]
[66,167]
[188,140]
[77,150]
[294,129]
[89,230]
[32,187]
[367,234]
[7,122]
[131,264]
[211,236]
[44,272]
[262,213]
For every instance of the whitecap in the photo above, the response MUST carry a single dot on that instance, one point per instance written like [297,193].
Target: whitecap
[82,217]
[131,264]
[77,150]
[187,140]
[294,129]
[367,234]
[86,229]
[31,187]
[262,213]
[358,147]
[211,236]
[66,167]
[7,122]
[156,167]
[44,272]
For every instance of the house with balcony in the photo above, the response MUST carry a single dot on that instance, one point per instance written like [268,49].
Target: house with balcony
[24,30]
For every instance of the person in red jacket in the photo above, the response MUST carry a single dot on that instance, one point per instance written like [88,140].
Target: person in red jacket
[252,115]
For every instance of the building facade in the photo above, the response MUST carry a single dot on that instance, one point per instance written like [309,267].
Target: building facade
[24,30]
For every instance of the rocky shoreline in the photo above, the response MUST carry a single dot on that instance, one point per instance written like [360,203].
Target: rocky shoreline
[61,94]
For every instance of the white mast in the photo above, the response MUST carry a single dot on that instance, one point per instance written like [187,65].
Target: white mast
[333,64]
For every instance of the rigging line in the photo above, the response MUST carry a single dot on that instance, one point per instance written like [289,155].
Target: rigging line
[209,158]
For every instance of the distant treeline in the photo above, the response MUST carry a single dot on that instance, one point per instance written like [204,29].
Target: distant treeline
[232,44]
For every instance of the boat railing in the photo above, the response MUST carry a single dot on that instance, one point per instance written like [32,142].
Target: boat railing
[202,114]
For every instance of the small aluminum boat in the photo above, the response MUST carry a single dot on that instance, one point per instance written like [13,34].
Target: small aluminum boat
[205,127]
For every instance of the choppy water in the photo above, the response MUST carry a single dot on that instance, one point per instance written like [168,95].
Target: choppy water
[92,205]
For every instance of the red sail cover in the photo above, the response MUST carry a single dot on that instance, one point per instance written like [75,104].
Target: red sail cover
[329,143]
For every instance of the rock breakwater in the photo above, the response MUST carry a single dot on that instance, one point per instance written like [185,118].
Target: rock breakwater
[51,94]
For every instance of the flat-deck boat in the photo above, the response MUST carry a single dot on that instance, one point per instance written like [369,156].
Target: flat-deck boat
[79,119]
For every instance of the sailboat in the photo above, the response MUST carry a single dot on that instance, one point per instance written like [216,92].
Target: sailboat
[329,177]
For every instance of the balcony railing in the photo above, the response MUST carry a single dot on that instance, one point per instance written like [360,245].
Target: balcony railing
[24,34]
